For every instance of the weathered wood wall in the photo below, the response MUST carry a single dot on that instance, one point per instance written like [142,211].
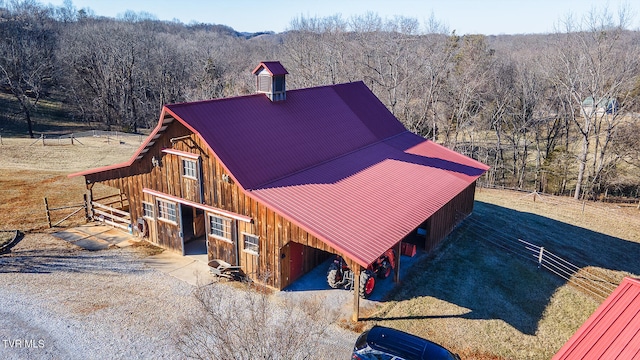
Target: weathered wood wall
[219,191]
[440,224]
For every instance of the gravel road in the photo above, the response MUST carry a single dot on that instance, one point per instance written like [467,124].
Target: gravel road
[60,302]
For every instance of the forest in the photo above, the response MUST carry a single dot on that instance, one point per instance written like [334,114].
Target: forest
[554,113]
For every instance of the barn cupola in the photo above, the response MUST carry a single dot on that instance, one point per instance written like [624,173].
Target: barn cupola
[270,80]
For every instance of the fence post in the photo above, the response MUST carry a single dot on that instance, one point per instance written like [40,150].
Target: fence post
[42,137]
[46,208]
[540,256]
[86,207]
[71,138]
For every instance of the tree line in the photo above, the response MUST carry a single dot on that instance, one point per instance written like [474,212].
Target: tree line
[554,113]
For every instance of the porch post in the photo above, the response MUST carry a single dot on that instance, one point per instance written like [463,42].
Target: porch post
[356,292]
[396,271]
[89,203]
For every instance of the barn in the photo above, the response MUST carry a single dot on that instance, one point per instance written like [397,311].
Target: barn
[278,181]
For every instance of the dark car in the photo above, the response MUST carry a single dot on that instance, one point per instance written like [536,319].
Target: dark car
[383,343]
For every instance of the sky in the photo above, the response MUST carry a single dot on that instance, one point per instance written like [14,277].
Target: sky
[488,17]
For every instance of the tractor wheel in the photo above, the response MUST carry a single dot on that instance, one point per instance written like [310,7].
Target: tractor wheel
[367,283]
[333,278]
[384,270]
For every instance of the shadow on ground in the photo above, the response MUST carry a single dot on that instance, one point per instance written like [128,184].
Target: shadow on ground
[492,283]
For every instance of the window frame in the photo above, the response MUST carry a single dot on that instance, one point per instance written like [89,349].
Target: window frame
[255,248]
[166,211]
[146,208]
[227,228]
[189,172]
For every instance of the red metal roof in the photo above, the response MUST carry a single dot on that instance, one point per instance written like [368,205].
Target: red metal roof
[366,201]
[260,141]
[333,160]
[273,67]
[612,331]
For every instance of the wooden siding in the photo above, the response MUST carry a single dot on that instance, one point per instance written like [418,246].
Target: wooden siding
[218,190]
[440,224]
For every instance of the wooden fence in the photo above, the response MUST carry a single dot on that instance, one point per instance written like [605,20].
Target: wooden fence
[76,209]
[112,210]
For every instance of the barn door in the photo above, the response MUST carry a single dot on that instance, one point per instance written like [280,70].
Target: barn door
[291,263]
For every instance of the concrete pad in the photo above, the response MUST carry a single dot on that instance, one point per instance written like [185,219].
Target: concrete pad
[91,244]
[96,237]
[181,267]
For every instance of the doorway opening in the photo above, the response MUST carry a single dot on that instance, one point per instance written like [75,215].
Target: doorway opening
[194,233]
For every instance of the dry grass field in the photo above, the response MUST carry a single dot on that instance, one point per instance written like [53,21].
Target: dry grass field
[29,172]
[471,296]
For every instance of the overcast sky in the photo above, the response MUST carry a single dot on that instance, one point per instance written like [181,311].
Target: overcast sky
[489,17]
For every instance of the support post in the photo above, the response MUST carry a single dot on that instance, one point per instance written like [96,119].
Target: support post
[86,206]
[42,137]
[540,256]
[356,292]
[396,271]
[90,201]
[46,209]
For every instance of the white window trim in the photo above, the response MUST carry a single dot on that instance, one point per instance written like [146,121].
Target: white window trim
[244,245]
[153,210]
[174,222]
[230,241]
[196,168]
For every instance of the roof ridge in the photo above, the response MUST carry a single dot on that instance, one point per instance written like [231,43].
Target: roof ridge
[328,160]
[187,103]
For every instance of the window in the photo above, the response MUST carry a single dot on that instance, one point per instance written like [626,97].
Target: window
[189,168]
[220,227]
[251,243]
[167,210]
[147,210]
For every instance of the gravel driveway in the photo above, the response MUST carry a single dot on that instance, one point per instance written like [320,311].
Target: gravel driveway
[60,302]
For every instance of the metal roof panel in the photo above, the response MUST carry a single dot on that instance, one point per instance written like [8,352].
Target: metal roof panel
[612,331]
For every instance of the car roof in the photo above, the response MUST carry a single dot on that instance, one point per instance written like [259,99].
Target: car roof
[405,345]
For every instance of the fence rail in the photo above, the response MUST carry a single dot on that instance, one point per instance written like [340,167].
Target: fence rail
[77,207]
[584,278]
[110,215]
[115,137]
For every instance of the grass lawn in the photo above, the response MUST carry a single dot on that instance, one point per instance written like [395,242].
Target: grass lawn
[487,303]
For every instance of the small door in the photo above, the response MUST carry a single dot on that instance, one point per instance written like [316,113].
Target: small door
[291,263]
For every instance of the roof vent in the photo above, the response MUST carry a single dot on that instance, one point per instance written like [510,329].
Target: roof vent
[270,80]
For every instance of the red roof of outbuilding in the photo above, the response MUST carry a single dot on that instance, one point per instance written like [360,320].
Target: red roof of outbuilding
[333,160]
[613,331]
[273,67]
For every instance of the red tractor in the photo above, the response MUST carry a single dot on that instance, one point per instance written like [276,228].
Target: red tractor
[339,274]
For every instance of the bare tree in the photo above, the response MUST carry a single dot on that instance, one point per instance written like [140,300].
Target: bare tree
[595,70]
[27,44]
[248,325]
